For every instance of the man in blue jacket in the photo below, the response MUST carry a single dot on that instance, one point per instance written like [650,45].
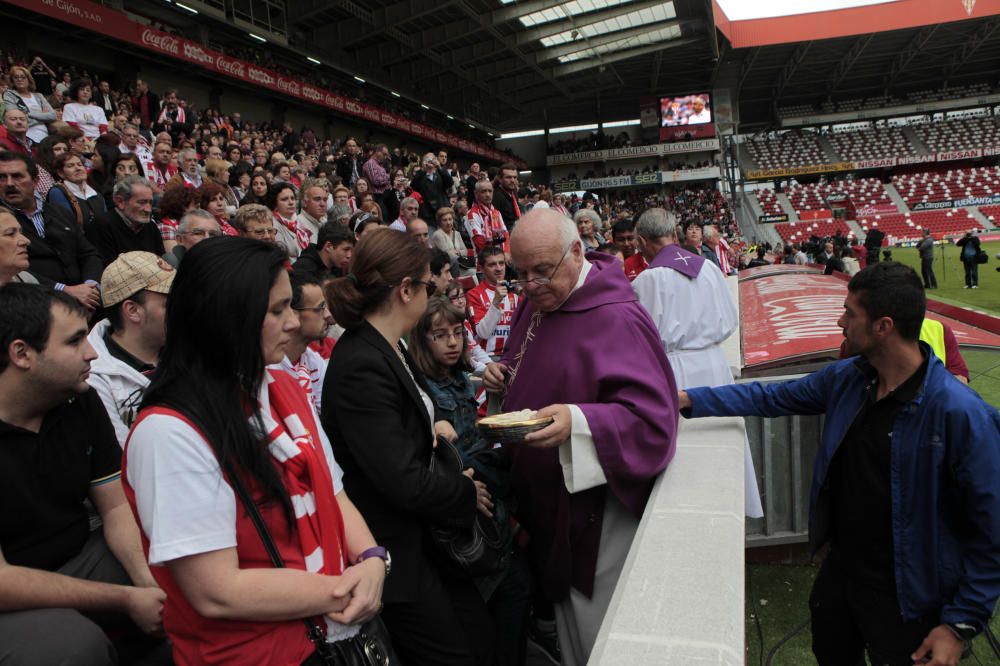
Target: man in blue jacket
[906,484]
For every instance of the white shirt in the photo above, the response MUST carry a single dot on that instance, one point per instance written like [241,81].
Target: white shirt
[87,117]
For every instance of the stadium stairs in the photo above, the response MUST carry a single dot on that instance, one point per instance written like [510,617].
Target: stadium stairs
[921,147]
[749,221]
[793,215]
[831,154]
[896,197]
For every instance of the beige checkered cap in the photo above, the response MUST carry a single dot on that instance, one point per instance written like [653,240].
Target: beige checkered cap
[133,272]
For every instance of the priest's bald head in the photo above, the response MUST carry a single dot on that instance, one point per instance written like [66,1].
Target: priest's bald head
[547,252]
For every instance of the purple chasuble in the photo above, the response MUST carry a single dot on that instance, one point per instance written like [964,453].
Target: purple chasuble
[683,261]
[601,352]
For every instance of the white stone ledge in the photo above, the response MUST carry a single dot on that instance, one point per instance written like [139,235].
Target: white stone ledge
[679,600]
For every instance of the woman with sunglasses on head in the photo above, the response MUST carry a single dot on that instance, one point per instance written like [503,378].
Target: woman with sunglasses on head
[22,94]
[225,454]
[378,413]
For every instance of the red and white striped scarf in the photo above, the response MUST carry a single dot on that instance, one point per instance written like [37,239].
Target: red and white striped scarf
[290,427]
[301,233]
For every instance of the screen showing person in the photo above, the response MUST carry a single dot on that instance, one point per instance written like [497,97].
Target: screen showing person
[685,110]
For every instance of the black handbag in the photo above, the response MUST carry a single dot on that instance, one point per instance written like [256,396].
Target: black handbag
[982,257]
[371,646]
[478,550]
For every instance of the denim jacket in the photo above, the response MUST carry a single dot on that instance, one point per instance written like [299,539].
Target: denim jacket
[945,478]
[455,402]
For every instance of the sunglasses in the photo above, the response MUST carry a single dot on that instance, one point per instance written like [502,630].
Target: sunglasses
[428,285]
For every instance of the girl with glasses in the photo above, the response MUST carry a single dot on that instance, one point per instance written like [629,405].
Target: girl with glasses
[378,413]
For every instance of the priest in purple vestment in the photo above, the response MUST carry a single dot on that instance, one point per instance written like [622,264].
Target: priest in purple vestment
[584,351]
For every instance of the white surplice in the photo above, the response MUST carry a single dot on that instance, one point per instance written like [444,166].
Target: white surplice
[694,317]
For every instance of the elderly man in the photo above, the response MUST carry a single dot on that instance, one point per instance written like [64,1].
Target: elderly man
[582,482]
[15,131]
[432,182]
[420,231]
[255,221]
[313,215]
[190,172]
[61,257]
[195,226]
[690,304]
[484,223]
[131,144]
[134,291]
[127,228]
[409,210]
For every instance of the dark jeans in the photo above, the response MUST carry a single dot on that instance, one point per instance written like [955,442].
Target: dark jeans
[509,607]
[849,618]
[971,273]
[69,638]
[927,272]
[447,626]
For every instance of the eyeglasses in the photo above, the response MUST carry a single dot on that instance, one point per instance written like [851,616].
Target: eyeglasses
[199,233]
[437,336]
[457,296]
[319,309]
[541,281]
[428,285]
[262,233]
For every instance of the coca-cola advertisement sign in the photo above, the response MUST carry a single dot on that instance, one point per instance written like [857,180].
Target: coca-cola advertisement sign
[161,41]
[234,67]
[115,24]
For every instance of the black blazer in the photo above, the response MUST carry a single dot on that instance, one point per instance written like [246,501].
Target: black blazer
[345,170]
[64,255]
[434,193]
[382,439]
[110,235]
[505,204]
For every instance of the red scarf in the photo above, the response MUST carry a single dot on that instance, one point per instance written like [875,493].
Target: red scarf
[290,424]
[164,114]
[301,234]
[492,223]
[513,198]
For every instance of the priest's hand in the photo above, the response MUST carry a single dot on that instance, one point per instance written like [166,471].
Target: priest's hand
[683,400]
[495,377]
[555,434]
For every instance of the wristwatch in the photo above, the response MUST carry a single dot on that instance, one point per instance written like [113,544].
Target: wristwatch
[963,631]
[379,552]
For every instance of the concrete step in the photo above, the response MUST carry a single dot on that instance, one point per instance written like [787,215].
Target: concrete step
[978,214]
[787,206]
[921,147]
[856,228]
[831,154]
[896,198]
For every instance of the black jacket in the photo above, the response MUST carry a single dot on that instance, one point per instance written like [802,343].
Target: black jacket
[433,192]
[111,236]
[64,255]
[390,203]
[970,240]
[309,263]
[503,203]
[382,439]
[346,173]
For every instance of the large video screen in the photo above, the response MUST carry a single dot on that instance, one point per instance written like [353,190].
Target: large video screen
[685,110]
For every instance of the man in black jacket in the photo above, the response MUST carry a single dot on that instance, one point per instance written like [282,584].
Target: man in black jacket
[971,247]
[59,254]
[329,256]
[505,195]
[349,166]
[129,227]
[433,183]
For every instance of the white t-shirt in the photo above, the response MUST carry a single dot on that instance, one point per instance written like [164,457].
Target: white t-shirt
[185,506]
[87,117]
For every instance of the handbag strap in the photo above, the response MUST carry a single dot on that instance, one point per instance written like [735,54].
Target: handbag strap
[315,633]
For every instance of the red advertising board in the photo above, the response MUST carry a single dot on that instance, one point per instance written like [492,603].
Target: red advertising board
[790,314]
[111,23]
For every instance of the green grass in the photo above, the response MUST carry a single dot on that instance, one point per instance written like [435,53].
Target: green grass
[779,597]
[951,277]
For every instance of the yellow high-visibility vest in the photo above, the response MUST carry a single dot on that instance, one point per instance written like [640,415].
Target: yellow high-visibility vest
[932,332]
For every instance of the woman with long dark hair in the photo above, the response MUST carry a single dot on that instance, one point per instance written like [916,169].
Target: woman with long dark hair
[377,411]
[213,419]
[73,193]
[257,193]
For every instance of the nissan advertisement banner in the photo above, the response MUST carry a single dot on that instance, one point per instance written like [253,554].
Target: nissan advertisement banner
[111,23]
